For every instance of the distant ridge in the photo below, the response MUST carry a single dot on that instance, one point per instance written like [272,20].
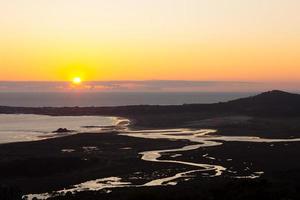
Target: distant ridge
[274,102]
[274,96]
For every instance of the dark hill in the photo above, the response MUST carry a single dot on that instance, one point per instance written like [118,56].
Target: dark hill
[269,104]
[273,103]
[271,97]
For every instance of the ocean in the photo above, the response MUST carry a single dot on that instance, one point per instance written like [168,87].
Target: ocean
[21,127]
[59,99]
[17,128]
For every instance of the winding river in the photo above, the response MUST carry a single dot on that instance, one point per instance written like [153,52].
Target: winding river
[204,138]
[198,138]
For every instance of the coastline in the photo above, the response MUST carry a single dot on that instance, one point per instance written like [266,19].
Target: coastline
[86,155]
[114,149]
[75,160]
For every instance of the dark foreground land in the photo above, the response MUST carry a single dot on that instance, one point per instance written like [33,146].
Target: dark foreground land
[42,166]
[37,167]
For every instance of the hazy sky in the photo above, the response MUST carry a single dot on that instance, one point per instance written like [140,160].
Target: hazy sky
[219,40]
[147,86]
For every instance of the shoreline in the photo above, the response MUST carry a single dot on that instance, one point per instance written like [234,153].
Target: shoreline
[90,139]
[162,132]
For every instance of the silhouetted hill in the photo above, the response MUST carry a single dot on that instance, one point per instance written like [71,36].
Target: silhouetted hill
[271,97]
[276,103]
[269,104]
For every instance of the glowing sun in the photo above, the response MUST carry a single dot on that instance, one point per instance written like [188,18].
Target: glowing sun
[77,80]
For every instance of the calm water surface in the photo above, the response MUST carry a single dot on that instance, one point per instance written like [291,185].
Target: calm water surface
[17,128]
[114,98]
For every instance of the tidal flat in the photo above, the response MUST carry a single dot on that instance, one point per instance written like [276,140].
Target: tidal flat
[213,154]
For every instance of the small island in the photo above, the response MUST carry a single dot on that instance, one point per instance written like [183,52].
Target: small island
[62,130]
[213,147]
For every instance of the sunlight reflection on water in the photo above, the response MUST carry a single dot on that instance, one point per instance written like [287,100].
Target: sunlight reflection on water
[24,127]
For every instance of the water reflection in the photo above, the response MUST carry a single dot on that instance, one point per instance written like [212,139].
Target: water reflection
[25,127]
[202,138]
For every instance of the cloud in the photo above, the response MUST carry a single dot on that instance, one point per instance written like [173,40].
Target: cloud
[146,86]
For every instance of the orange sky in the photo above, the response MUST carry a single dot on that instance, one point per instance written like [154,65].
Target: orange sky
[231,40]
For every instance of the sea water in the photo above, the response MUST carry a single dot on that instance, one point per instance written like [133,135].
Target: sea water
[23,127]
[70,99]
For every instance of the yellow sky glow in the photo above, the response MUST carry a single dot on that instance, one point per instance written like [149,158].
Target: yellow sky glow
[55,40]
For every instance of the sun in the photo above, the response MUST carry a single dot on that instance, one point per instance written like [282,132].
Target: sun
[77,80]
